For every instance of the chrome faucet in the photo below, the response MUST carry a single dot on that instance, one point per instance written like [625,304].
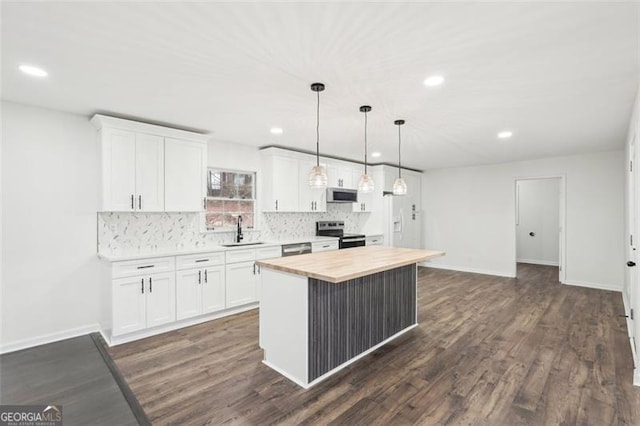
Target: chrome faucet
[239,235]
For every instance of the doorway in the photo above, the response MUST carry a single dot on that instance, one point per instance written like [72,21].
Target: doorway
[540,222]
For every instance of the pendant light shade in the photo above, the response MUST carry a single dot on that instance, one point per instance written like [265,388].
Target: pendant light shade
[366,182]
[318,176]
[399,186]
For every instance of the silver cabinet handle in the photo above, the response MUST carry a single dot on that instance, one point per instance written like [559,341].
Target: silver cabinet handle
[199,277]
[202,260]
[205,275]
[139,202]
[150,285]
[204,203]
[145,266]
[132,206]
[276,204]
[327,246]
[142,286]
[254,268]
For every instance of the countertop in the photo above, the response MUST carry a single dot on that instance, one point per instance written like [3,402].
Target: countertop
[209,249]
[342,265]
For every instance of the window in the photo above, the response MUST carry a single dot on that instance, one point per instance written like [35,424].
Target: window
[230,194]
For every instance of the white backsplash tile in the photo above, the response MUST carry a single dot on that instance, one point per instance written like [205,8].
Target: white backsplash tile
[135,233]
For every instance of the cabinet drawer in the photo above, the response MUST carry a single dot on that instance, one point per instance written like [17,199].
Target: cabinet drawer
[375,241]
[153,265]
[324,246]
[235,256]
[268,252]
[199,260]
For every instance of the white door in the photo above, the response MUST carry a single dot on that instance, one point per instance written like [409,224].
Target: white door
[189,289]
[129,308]
[119,170]
[185,175]
[149,173]
[161,299]
[213,289]
[240,284]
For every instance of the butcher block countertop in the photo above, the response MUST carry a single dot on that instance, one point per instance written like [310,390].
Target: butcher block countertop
[342,265]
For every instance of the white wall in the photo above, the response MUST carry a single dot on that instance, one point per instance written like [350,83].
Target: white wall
[538,211]
[49,263]
[470,213]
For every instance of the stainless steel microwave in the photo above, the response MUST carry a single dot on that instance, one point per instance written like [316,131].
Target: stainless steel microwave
[342,195]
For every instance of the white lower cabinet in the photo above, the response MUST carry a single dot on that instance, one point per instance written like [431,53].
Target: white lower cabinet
[147,293]
[241,284]
[141,302]
[200,291]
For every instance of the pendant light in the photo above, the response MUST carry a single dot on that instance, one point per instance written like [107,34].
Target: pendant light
[366,182]
[399,186]
[318,175]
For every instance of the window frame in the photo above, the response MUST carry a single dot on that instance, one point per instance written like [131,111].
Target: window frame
[254,200]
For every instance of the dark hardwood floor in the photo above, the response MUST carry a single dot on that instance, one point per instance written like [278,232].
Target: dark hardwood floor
[71,373]
[488,351]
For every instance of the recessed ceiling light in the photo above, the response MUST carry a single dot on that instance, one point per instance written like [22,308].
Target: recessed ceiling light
[506,134]
[375,154]
[276,130]
[434,80]
[33,71]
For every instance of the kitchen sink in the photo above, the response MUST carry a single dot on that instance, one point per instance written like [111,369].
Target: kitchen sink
[241,244]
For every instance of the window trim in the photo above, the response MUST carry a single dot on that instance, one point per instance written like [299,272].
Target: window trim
[254,200]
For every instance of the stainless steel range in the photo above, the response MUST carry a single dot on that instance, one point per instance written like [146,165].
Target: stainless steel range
[335,228]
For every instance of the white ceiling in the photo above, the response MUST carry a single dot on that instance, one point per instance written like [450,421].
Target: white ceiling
[562,76]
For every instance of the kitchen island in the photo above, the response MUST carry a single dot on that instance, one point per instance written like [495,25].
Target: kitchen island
[320,312]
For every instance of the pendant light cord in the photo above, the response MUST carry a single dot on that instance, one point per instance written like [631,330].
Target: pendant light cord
[318,132]
[399,162]
[365,142]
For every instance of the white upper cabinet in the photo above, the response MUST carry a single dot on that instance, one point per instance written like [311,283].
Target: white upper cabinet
[132,171]
[118,170]
[149,168]
[281,183]
[149,173]
[185,175]
[340,176]
[309,199]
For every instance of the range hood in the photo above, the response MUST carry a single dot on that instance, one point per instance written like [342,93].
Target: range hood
[342,195]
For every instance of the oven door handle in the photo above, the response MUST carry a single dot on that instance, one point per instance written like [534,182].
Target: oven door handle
[355,240]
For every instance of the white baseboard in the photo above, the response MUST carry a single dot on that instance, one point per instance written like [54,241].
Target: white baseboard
[636,377]
[465,269]
[125,338]
[48,338]
[597,286]
[538,262]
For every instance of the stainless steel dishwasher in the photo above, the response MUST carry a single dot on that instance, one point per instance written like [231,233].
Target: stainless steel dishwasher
[294,249]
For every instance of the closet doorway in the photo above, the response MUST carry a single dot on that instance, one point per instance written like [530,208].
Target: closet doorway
[540,220]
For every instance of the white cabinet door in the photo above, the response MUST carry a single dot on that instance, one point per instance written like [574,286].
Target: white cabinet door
[189,291]
[240,284]
[340,176]
[118,170]
[365,199]
[309,199]
[149,171]
[213,289]
[129,308]
[185,175]
[161,298]
[284,185]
